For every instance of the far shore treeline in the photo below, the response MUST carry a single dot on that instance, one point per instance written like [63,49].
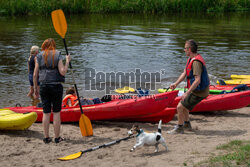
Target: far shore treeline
[44,7]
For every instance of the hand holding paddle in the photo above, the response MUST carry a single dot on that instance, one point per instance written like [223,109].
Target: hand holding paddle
[173,86]
[60,25]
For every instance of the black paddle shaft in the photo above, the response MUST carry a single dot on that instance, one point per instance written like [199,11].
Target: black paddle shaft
[107,144]
[70,66]
[66,49]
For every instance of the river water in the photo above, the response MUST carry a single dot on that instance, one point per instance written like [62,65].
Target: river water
[152,44]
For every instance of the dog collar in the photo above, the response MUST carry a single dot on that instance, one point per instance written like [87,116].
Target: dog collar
[140,132]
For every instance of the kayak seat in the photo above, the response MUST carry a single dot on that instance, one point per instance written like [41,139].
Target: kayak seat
[87,102]
[106,98]
[97,101]
[221,82]
[141,92]
[241,87]
[238,88]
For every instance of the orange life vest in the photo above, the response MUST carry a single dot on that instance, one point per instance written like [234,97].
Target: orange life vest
[72,98]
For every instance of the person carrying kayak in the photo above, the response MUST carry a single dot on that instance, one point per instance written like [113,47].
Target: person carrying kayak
[197,84]
[51,70]
[31,65]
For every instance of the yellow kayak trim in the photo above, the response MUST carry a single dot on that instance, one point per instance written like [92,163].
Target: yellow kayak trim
[236,81]
[240,77]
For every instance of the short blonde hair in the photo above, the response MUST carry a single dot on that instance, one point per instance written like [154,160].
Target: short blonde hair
[33,50]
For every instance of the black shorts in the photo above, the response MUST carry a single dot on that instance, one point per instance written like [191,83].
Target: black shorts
[191,101]
[31,80]
[51,96]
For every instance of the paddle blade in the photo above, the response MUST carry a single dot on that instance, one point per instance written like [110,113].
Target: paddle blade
[85,126]
[59,22]
[71,157]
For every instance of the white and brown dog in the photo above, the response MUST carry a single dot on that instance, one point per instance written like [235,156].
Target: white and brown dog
[148,139]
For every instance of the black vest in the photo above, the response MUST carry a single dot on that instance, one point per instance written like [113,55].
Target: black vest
[31,64]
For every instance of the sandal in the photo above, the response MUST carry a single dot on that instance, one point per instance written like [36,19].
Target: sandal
[47,140]
[59,139]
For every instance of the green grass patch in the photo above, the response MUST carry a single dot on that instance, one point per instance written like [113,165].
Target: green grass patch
[37,7]
[237,154]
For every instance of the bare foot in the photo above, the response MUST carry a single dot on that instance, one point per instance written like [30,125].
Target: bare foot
[29,94]
[35,102]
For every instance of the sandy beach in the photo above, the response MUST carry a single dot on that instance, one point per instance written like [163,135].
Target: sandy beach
[26,148]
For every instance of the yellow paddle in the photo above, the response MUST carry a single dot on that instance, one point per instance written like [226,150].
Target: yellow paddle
[79,154]
[60,26]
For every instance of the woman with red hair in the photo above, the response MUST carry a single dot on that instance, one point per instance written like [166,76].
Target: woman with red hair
[51,71]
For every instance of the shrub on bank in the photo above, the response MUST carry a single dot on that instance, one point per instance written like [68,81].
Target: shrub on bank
[25,7]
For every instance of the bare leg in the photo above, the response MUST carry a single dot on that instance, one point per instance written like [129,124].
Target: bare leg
[186,114]
[30,94]
[38,88]
[57,123]
[181,115]
[46,122]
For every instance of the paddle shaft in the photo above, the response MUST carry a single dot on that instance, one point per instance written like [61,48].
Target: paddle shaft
[70,66]
[167,89]
[60,25]
[107,144]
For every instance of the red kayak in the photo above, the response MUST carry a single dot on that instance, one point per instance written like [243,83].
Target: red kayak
[117,109]
[228,101]
[165,115]
[222,87]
